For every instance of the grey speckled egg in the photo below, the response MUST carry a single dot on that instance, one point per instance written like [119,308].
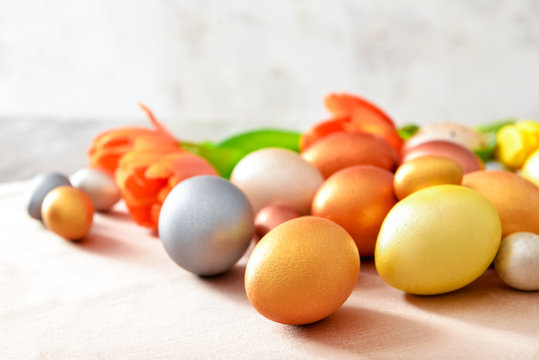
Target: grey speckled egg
[517,262]
[99,186]
[39,187]
[206,224]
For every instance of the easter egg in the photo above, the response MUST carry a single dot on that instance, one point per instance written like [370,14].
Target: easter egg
[457,133]
[343,149]
[272,216]
[530,170]
[425,171]
[99,186]
[206,224]
[357,198]
[39,187]
[517,262]
[437,240]
[466,158]
[302,271]
[275,176]
[515,198]
[68,212]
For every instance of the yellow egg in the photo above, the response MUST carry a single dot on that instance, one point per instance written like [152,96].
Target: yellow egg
[425,171]
[68,212]
[437,240]
[302,271]
[530,170]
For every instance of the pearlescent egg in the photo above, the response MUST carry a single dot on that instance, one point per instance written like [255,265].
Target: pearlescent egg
[99,186]
[68,212]
[206,224]
[39,187]
[275,176]
[517,262]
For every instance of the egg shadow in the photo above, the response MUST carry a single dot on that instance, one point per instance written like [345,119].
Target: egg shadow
[487,302]
[229,284]
[357,330]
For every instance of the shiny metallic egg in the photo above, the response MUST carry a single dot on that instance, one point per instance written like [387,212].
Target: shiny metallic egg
[99,186]
[68,212]
[39,187]
[206,224]
[517,261]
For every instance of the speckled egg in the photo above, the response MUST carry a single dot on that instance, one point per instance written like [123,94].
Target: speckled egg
[38,188]
[99,186]
[275,176]
[517,262]
[68,212]
[448,131]
[423,172]
[206,224]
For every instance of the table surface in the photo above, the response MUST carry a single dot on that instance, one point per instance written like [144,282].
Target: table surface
[118,295]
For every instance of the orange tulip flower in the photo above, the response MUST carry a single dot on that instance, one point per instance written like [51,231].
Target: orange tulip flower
[147,164]
[353,114]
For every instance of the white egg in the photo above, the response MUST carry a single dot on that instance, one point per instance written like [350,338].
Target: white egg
[275,176]
[99,186]
[517,262]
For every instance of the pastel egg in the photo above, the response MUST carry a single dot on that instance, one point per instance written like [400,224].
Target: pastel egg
[517,262]
[302,271]
[466,158]
[99,186]
[343,149]
[358,198]
[275,176]
[270,217]
[68,212]
[425,171]
[457,133]
[206,224]
[39,187]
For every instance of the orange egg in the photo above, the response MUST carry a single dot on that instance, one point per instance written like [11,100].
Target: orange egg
[68,212]
[302,271]
[272,216]
[358,198]
[515,198]
[340,150]
[466,158]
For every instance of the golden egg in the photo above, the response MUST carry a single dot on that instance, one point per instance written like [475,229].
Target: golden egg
[425,171]
[302,271]
[68,212]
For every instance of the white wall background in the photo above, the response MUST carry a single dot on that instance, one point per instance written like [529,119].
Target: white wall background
[252,63]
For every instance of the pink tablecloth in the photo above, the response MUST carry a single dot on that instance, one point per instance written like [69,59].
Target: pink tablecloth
[117,295]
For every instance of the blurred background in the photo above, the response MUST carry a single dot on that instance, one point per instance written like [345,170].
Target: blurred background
[208,69]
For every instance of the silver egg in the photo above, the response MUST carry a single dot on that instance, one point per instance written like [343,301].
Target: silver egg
[517,261]
[99,186]
[39,187]
[206,224]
